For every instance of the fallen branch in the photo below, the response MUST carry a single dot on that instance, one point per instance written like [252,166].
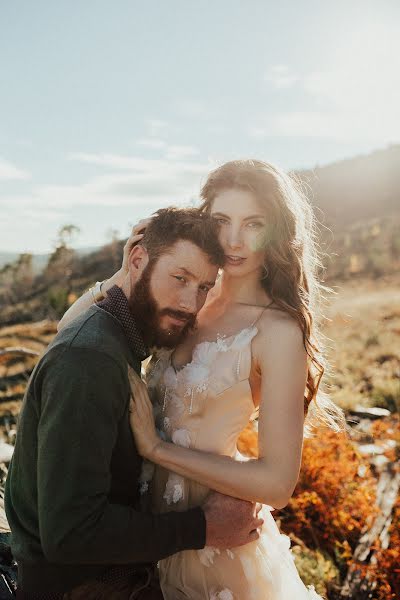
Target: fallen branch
[357,586]
[18,350]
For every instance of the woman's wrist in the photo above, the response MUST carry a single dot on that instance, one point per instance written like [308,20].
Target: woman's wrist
[107,284]
[156,451]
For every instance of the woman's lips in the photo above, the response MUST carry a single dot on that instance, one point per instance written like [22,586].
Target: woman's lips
[234,260]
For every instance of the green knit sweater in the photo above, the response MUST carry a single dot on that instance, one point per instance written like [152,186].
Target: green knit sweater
[72,497]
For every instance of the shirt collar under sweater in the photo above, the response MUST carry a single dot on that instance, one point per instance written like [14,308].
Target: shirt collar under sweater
[116,304]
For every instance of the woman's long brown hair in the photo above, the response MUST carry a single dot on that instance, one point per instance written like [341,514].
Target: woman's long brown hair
[291,265]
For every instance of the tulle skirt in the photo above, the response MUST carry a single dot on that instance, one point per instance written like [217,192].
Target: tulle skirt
[261,570]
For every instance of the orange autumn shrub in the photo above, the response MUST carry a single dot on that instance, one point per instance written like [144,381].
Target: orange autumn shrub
[383,572]
[387,429]
[248,441]
[334,499]
[386,570]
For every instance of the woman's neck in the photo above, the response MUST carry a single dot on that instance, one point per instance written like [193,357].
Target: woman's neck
[242,290]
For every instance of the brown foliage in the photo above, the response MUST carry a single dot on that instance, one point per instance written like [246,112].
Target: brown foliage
[334,498]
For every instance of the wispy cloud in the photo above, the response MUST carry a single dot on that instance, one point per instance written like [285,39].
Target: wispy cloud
[123,181]
[126,188]
[192,108]
[174,164]
[9,171]
[354,97]
[181,152]
[151,143]
[168,151]
[299,124]
[157,127]
[280,76]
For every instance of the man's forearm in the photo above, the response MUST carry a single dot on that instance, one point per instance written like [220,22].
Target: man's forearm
[119,535]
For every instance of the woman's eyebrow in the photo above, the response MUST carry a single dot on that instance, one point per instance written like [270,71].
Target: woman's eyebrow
[254,217]
[220,214]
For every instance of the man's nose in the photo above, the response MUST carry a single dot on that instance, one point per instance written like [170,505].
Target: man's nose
[188,301]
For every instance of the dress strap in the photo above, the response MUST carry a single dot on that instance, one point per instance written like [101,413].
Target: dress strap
[261,314]
[244,359]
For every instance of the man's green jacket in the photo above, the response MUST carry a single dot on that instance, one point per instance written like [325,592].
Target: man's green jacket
[72,493]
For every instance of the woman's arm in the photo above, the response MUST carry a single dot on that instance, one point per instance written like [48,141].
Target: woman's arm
[271,478]
[86,300]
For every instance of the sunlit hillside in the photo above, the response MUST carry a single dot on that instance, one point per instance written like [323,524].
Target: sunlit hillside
[337,499]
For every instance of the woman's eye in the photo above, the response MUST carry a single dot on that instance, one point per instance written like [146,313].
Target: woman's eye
[255,224]
[221,220]
[204,288]
[180,278]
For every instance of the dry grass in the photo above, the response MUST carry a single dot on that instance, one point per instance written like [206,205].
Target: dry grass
[363,334]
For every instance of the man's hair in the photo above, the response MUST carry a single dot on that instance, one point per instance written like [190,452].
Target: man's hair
[172,225]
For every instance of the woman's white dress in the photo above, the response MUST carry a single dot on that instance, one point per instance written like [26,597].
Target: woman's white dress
[206,405]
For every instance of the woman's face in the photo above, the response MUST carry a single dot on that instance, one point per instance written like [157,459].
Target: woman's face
[243,224]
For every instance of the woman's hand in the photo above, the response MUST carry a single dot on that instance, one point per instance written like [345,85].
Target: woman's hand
[135,237]
[141,417]
[137,234]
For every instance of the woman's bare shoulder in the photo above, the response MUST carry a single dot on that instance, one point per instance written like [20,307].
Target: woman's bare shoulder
[277,327]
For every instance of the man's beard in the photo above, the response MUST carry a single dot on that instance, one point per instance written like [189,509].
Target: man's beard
[147,314]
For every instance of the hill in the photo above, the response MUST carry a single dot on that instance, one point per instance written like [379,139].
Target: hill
[356,189]
[356,201]
[39,261]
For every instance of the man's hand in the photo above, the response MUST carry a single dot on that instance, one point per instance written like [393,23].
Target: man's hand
[141,417]
[231,522]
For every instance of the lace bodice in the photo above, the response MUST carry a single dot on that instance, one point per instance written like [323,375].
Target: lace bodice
[209,398]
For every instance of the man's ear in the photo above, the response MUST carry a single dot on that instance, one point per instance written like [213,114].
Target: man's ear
[138,260]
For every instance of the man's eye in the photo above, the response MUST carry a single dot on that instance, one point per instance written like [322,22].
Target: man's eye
[205,288]
[180,278]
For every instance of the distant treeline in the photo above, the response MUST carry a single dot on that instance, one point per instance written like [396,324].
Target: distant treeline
[356,202]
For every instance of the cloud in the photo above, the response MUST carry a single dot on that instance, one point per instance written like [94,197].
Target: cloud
[131,181]
[8,171]
[123,189]
[280,76]
[191,108]
[127,188]
[298,124]
[354,97]
[157,127]
[181,152]
[152,143]
[172,165]
[117,161]
[171,152]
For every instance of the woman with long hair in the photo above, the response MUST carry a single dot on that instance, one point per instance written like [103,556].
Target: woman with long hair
[255,353]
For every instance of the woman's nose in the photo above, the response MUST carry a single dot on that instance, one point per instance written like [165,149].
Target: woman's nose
[234,238]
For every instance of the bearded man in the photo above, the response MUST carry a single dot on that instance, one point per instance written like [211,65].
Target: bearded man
[72,492]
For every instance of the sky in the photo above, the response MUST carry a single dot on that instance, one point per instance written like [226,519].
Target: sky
[112,109]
